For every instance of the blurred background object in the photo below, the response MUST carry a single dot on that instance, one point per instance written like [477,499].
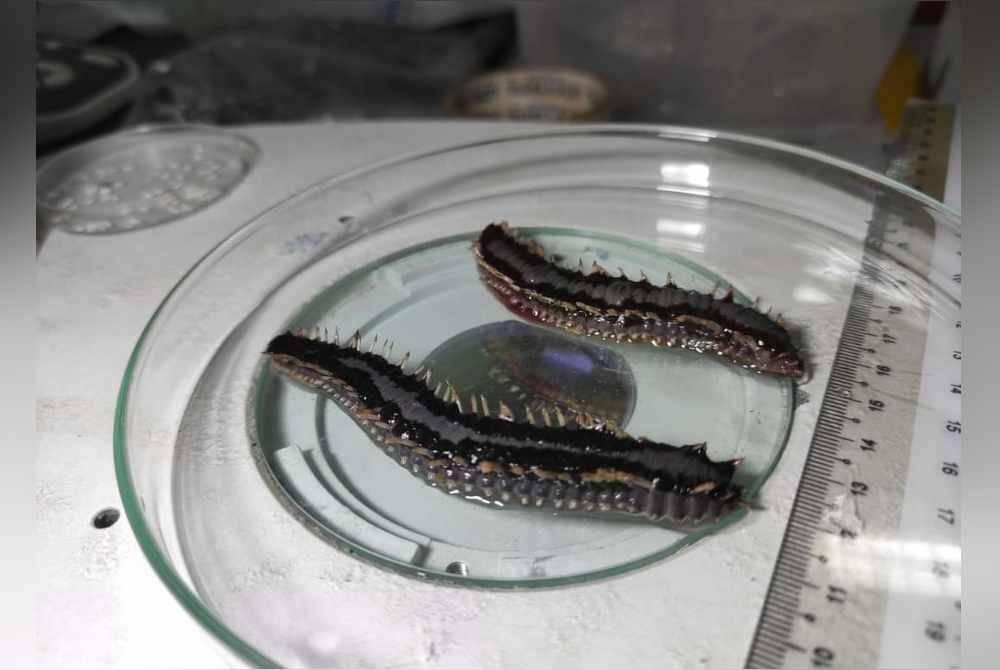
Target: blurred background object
[297,68]
[79,87]
[723,64]
[810,72]
[531,93]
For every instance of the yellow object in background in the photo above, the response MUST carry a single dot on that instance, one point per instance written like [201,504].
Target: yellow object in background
[903,80]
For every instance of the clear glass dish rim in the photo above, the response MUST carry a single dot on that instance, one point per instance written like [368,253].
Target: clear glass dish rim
[161,565]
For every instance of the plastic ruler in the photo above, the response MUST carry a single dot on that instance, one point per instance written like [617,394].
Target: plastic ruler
[868,574]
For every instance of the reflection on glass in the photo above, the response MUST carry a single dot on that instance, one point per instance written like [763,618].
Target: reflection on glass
[810,294]
[906,566]
[833,264]
[693,174]
[685,228]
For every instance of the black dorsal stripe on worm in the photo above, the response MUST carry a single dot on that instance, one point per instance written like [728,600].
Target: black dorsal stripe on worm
[456,445]
[622,309]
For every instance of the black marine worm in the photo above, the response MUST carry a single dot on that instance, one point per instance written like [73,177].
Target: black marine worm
[474,447]
[620,309]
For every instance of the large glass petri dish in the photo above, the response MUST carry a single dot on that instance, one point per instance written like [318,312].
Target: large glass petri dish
[278,527]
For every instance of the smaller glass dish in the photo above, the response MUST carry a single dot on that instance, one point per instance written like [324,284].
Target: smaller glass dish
[328,471]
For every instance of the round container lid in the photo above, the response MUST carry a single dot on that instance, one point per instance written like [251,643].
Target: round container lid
[140,178]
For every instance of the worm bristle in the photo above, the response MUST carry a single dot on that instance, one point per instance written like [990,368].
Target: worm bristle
[559,416]
[528,415]
[545,416]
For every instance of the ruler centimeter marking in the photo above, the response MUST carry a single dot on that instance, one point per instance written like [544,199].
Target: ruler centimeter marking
[837,574]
